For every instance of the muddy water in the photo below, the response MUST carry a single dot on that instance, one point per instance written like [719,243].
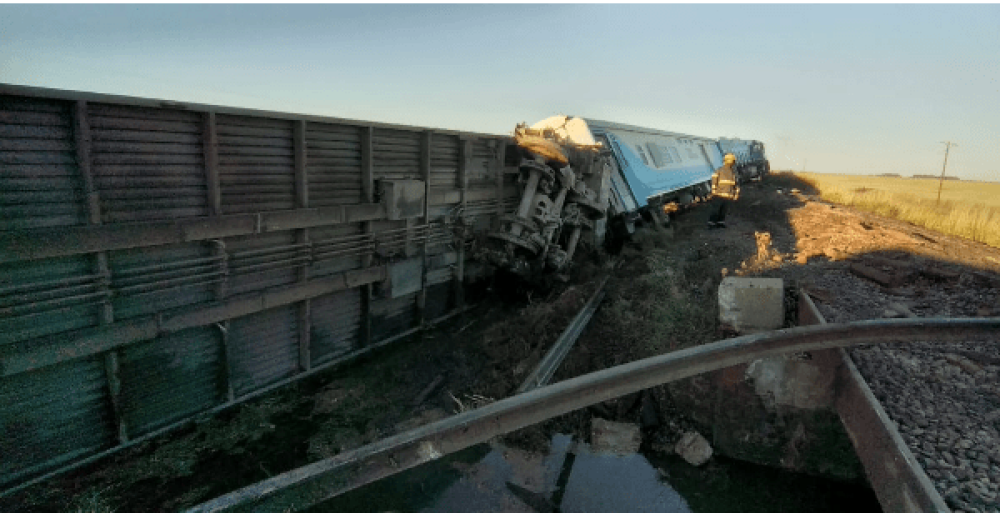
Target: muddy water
[574,478]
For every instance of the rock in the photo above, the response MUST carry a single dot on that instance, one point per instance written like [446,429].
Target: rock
[901,308]
[694,448]
[614,437]
[802,258]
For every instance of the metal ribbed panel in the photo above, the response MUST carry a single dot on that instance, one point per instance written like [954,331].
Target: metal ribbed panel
[51,416]
[441,275]
[481,172]
[40,185]
[169,378]
[396,154]
[159,278]
[148,164]
[479,213]
[444,161]
[338,248]
[267,260]
[333,163]
[42,297]
[264,348]
[256,164]
[392,316]
[439,300]
[335,324]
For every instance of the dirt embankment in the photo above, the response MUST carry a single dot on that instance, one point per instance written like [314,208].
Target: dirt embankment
[661,297]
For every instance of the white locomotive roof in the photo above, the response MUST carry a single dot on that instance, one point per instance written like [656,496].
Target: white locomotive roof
[582,130]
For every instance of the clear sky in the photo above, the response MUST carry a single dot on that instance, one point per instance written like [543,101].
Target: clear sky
[834,88]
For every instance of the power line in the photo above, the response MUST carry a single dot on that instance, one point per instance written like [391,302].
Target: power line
[947,148]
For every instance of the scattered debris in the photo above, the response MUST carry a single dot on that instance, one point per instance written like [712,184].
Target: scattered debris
[614,437]
[428,390]
[882,278]
[694,448]
[902,309]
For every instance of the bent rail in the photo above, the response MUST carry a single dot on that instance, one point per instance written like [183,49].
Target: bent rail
[313,483]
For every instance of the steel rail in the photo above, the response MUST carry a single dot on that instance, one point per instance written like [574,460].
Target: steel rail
[557,353]
[894,473]
[304,486]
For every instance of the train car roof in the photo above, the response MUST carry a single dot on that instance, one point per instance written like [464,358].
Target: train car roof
[609,125]
[571,127]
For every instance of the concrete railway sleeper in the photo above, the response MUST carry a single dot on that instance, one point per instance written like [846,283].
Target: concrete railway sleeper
[314,483]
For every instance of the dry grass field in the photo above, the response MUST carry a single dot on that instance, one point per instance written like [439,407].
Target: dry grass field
[967,209]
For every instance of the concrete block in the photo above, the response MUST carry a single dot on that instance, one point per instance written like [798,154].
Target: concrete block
[748,305]
[784,381]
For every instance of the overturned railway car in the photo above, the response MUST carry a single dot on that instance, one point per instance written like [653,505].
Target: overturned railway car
[163,260]
[651,171]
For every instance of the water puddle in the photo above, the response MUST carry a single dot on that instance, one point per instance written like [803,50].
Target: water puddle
[487,478]
[575,478]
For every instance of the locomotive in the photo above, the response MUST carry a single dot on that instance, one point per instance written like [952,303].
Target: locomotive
[751,164]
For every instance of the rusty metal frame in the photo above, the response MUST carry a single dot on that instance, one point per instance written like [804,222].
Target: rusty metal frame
[899,482]
[314,483]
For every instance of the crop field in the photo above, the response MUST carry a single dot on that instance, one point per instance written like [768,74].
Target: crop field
[966,209]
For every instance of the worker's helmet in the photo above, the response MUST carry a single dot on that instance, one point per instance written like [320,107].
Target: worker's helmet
[729,158]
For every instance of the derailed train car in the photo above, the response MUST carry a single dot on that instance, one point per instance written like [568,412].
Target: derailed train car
[651,172]
[592,180]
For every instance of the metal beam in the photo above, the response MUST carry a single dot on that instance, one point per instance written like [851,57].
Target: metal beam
[557,353]
[368,196]
[74,240]
[314,483]
[498,167]
[464,160]
[425,175]
[210,148]
[302,237]
[106,316]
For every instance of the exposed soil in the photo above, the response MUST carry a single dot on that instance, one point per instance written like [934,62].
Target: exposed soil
[661,296]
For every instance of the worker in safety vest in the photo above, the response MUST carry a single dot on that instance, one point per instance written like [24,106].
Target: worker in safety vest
[724,190]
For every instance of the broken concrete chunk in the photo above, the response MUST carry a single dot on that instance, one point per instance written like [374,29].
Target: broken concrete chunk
[748,305]
[614,437]
[902,309]
[694,448]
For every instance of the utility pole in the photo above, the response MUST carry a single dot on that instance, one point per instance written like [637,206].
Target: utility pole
[948,145]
